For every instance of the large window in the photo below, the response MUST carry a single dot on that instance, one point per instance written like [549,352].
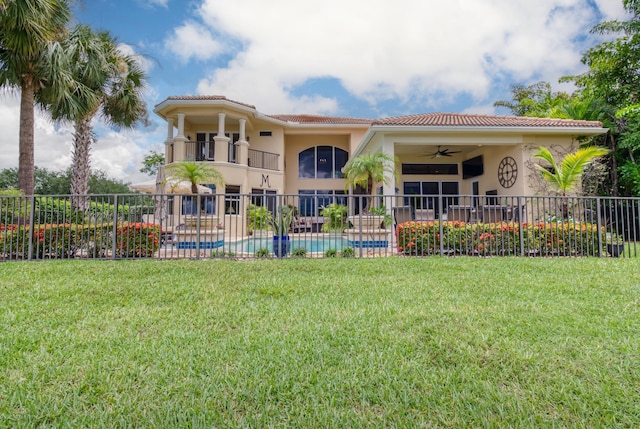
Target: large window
[207,203]
[427,193]
[322,162]
[434,169]
[232,199]
[264,197]
[312,202]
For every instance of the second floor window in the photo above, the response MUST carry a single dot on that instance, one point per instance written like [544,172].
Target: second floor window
[322,162]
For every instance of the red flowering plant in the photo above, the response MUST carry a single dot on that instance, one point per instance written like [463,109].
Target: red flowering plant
[418,238]
[48,241]
[137,240]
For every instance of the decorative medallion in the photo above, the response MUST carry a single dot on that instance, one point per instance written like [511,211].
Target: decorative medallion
[507,172]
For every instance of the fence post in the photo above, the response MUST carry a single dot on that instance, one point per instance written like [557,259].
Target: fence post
[440,223]
[32,212]
[198,214]
[520,231]
[114,227]
[598,225]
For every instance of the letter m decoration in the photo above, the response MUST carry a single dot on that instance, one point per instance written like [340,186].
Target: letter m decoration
[265,180]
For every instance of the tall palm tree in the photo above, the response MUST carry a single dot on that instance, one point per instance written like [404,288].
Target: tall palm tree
[366,170]
[27,28]
[195,173]
[564,176]
[113,83]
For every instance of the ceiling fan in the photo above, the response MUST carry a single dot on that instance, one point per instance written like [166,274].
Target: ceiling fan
[442,152]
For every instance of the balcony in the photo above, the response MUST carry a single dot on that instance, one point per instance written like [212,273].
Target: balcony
[205,151]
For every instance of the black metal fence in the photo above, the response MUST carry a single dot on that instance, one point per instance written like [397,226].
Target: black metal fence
[319,224]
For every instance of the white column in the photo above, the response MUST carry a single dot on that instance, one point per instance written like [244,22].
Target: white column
[180,125]
[169,150]
[179,145]
[389,189]
[170,122]
[221,117]
[243,144]
[221,141]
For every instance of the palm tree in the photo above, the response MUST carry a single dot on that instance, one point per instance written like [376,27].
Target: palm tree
[27,28]
[194,173]
[366,170]
[565,176]
[113,83]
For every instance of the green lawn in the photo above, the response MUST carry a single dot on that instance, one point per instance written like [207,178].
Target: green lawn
[387,342]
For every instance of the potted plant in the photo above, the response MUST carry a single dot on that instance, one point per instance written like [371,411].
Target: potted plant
[281,225]
[259,218]
[615,244]
[336,215]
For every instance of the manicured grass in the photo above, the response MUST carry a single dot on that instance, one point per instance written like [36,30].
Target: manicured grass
[390,342]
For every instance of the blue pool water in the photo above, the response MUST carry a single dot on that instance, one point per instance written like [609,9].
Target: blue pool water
[317,245]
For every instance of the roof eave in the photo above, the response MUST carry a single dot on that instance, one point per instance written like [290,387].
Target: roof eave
[574,131]
[195,102]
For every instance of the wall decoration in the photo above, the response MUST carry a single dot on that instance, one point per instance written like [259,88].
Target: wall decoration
[507,172]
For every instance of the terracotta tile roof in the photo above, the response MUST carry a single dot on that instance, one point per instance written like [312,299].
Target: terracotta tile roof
[321,120]
[208,98]
[461,120]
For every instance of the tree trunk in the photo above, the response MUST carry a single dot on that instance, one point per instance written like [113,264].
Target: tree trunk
[26,164]
[81,168]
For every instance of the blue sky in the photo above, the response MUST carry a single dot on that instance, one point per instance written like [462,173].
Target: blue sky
[357,58]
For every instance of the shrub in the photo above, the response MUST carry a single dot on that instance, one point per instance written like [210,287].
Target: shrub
[348,252]
[330,253]
[263,252]
[48,241]
[299,252]
[498,239]
[137,239]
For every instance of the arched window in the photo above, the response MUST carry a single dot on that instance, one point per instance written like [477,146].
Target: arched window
[322,162]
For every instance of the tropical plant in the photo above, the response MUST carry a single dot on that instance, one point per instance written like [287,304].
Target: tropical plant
[382,211]
[259,218]
[337,217]
[194,173]
[564,176]
[281,222]
[366,170]
[113,83]
[27,32]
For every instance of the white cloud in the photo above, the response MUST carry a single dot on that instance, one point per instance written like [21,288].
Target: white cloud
[118,154]
[423,50]
[193,40]
[152,3]
[146,63]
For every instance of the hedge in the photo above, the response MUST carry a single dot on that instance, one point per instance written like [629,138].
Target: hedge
[499,239]
[61,241]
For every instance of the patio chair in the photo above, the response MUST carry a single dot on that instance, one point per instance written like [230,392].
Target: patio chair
[423,215]
[458,213]
[493,214]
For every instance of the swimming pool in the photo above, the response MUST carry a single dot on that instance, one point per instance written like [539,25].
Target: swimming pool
[312,245]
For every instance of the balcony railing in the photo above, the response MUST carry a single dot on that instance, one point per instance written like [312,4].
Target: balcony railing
[200,151]
[205,151]
[265,160]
